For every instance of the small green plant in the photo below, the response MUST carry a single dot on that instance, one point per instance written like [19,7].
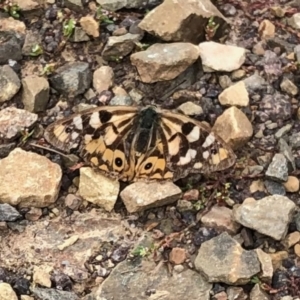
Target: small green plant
[13,10]
[68,27]
[103,16]
[36,50]
[255,280]
[211,28]
[142,46]
[48,69]
[25,135]
[141,251]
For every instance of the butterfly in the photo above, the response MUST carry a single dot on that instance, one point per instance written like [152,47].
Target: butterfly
[134,144]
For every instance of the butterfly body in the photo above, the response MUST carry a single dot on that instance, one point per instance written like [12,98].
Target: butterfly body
[134,144]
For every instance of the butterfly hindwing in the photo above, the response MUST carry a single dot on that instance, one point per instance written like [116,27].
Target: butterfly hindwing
[100,135]
[134,144]
[192,147]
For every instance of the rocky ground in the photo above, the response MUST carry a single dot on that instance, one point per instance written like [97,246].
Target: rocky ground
[69,233]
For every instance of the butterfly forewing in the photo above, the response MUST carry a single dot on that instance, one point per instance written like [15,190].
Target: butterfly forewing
[134,144]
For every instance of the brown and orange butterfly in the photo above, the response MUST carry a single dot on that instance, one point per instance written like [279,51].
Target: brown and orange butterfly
[132,144]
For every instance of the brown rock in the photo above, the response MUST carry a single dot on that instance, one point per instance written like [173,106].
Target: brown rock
[181,20]
[90,26]
[234,127]
[33,214]
[28,179]
[140,196]
[91,188]
[266,29]
[277,258]
[220,217]
[6,292]
[297,249]
[292,184]
[35,94]
[266,265]
[103,78]
[291,239]
[177,256]
[162,62]
[235,95]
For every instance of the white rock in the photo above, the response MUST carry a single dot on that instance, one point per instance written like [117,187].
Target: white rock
[219,57]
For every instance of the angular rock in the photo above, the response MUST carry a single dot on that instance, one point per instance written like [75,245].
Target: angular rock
[220,217]
[274,188]
[98,189]
[8,213]
[51,294]
[234,127]
[142,281]
[286,150]
[6,292]
[289,87]
[119,46]
[13,121]
[177,256]
[12,35]
[35,94]
[90,26]
[294,21]
[29,8]
[235,95]
[75,5]
[266,265]
[190,109]
[294,140]
[222,259]
[162,62]
[266,29]
[103,78]
[257,293]
[257,215]
[40,239]
[278,168]
[9,83]
[32,39]
[41,277]
[182,21]
[140,196]
[28,179]
[220,57]
[72,79]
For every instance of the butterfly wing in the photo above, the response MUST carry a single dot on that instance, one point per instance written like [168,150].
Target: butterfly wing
[102,136]
[183,146]
[193,147]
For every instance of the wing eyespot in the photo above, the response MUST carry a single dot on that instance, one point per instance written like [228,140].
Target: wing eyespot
[148,166]
[119,162]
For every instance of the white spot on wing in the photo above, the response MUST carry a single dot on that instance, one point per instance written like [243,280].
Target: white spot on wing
[74,135]
[198,165]
[191,154]
[78,122]
[205,154]
[95,120]
[209,141]
[194,135]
